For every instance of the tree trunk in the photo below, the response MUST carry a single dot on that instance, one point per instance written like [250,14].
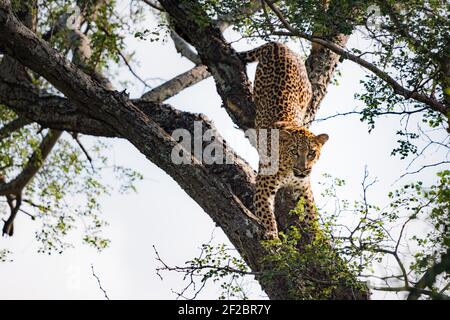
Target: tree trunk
[224,191]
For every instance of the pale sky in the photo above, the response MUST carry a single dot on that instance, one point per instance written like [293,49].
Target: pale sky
[161,214]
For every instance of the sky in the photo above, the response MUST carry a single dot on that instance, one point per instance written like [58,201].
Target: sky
[160,214]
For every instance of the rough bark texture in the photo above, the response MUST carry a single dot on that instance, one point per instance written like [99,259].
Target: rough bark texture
[177,84]
[222,61]
[224,191]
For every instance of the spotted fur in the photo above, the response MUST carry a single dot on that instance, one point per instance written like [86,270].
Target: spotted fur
[282,93]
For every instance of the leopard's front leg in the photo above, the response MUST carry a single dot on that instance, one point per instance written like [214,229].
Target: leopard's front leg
[302,188]
[266,189]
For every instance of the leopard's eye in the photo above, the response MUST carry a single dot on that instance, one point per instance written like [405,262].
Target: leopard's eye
[311,153]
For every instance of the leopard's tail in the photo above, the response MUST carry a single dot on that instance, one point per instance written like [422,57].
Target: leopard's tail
[255,55]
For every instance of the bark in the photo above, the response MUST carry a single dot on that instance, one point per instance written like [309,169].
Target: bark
[321,65]
[230,77]
[116,112]
[224,191]
[176,85]
[222,61]
[49,111]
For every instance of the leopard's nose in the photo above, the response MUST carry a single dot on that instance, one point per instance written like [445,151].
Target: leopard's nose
[301,173]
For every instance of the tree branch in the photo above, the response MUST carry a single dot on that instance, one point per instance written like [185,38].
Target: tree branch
[429,277]
[50,111]
[339,50]
[205,184]
[199,72]
[99,283]
[12,126]
[153,4]
[33,165]
[228,71]
[183,48]
[13,189]
[14,203]
[175,85]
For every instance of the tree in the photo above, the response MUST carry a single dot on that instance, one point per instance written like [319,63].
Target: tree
[43,94]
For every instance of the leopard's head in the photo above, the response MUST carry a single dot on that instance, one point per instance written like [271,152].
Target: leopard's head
[299,148]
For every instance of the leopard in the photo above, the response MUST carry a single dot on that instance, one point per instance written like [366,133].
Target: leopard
[282,93]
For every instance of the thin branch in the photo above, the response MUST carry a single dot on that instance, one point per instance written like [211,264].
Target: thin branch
[423,168]
[174,86]
[382,113]
[190,269]
[429,277]
[35,162]
[99,283]
[431,294]
[35,205]
[86,153]
[130,68]
[33,217]
[197,270]
[12,126]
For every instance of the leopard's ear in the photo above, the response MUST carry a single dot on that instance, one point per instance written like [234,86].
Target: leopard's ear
[322,138]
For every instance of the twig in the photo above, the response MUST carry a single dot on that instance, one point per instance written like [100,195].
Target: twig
[12,126]
[33,217]
[422,168]
[382,113]
[196,269]
[434,295]
[130,68]
[99,283]
[175,85]
[75,137]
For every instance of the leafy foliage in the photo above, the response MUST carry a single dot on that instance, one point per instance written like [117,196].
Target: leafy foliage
[101,22]
[352,241]
[378,233]
[65,193]
[408,41]
[217,264]
[302,265]
[436,242]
